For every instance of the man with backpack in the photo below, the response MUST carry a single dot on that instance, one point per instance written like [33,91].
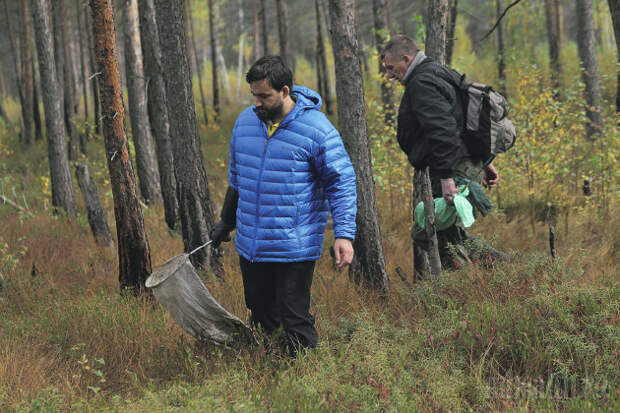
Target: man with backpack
[431,132]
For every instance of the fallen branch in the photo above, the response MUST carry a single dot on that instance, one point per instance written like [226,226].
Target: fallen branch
[6,200]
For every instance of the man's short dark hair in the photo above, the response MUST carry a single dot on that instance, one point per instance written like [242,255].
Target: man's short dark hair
[400,45]
[273,69]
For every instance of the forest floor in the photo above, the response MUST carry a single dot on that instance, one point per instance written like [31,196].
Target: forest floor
[531,334]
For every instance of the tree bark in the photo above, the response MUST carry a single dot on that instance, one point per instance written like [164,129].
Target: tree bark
[158,112]
[26,70]
[454,10]
[216,89]
[95,212]
[38,126]
[16,58]
[283,34]
[553,16]
[587,55]
[148,173]
[241,54]
[614,8]
[501,53]
[93,76]
[221,63]
[436,26]
[323,73]
[62,185]
[83,64]
[262,18]
[198,65]
[3,114]
[134,257]
[196,210]
[257,47]
[64,63]
[369,262]
[379,17]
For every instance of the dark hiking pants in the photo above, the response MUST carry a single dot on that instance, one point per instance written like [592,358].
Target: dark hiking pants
[278,295]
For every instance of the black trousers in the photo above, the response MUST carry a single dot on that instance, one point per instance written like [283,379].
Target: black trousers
[278,295]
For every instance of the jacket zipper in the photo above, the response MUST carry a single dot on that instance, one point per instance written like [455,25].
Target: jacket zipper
[260,176]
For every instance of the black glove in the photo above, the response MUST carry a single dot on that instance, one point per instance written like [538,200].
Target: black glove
[220,233]
[221,230]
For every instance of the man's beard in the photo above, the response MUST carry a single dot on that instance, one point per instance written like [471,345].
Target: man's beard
[269,114]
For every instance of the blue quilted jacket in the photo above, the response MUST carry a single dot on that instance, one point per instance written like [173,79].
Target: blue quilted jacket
[288,183]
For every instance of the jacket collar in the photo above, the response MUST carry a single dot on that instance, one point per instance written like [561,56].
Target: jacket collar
[419,58]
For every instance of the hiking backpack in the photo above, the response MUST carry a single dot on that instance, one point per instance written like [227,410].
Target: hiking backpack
[487,131]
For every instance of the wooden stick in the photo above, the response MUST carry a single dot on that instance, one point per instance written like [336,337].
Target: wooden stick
[13,204]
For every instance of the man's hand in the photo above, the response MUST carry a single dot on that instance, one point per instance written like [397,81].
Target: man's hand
[220,233]
[491,176]
[448,190]
[343,252]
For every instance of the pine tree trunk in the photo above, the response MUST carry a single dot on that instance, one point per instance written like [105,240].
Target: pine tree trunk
[148,173]
[380,22]
[389,18]
[134,257]
[241,54]
[93,73]
[451,33]
[262,19]
[2,84]
[436,26]
[216,89]
[322,59]
[198,65]
[51,94]
[257,47]
[16,58]
[319,50]
[3,114]
[283,34]
[196,210]
[158,112]
[221,64]
[95,212]
[38,126]
[26,71]
[65,71]
[552,14]
[83,64]
[501,54]
[369,262]
[614,8]
[587,56]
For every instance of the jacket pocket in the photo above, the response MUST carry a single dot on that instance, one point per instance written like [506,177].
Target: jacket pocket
[296,226]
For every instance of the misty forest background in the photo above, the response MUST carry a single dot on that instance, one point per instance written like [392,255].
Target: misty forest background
[113,158]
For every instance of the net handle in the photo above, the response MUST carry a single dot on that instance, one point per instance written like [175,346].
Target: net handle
[201,247]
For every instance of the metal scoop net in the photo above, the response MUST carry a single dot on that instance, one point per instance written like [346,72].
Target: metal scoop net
[177,286]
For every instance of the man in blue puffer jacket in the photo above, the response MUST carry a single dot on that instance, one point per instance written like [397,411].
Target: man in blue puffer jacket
[288,170]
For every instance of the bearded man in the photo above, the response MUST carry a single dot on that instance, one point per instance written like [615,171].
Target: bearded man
[288,170]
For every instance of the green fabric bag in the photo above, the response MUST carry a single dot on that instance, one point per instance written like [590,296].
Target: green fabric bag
[446,215]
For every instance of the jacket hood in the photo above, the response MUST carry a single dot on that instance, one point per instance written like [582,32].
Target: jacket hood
[306,98]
